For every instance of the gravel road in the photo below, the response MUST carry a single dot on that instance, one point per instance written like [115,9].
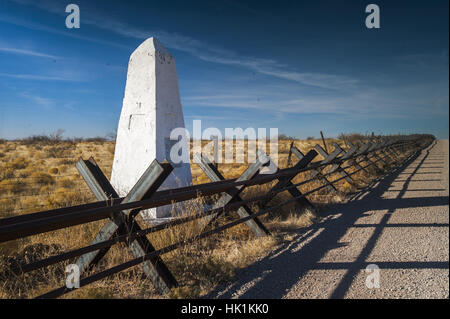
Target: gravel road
[401,225]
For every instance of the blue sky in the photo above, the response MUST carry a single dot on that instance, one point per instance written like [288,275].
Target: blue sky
[299,66]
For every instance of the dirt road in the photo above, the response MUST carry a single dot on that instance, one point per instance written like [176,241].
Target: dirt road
[401,225]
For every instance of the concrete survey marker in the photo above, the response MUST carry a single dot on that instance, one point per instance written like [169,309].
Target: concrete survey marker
[151,110]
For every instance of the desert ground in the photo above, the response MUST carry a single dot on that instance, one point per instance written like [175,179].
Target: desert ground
[40,174]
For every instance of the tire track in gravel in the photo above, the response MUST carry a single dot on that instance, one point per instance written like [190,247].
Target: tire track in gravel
[401,224]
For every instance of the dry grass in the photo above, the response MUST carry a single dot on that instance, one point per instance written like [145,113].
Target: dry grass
[37,177]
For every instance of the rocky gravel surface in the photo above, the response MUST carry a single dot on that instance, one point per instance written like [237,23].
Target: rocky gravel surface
[400,225]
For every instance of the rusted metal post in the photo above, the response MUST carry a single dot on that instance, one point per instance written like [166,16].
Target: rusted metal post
[323,141]
[290,154]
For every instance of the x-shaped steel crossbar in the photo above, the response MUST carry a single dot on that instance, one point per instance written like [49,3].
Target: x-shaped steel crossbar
[232,195]
[337,167]
[123,222]
[327,159]
[286,181]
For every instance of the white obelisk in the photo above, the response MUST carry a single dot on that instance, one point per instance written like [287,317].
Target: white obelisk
[151,110]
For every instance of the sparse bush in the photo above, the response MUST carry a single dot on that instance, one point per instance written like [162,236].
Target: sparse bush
[59,151]
[111,148]
[19,163]
[63,168]
[6,172]
[66,182]
[12,186]
[9,148]
[52,138]
[185,292]
[92,293]
[64,197]
[285,137]
[42,178]
[6,206]
[96,140]
[46,189]
[53,170]
[352,137]
[67,161]
[25,172]
[28,204]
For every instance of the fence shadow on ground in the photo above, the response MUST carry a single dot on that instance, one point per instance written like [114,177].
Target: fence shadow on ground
[269,277]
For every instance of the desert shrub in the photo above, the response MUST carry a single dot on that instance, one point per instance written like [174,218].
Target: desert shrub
[25,172]
[12,186]
[98,140]
[352,137]
[6,172]
[285,137]
[53,138]
[28,204]
[64,197]
[7,249]
[63,168]
[6,206]
[66,161]
[53,170]
[25,285]
[9,148]
[184,292]
[42,178]
[46,189]
[110,148]
[58,151]
[19,163]
[92,293]
[39,155]
[66,182]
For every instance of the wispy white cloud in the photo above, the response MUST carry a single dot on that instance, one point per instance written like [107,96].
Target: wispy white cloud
[38,77]
[209,117]
[406,102]
[39,100]
[60,31]
[210,53]
[206,51]
[345,95]
[29,53]
[214,97]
